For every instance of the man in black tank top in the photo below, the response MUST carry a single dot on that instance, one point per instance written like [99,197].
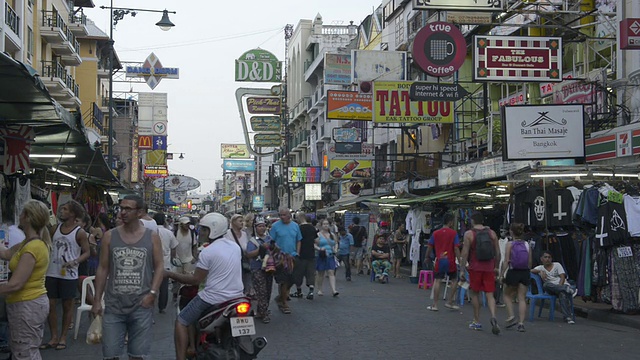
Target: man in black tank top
[133,282]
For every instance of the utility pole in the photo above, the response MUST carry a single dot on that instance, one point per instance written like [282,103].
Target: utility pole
[288,33]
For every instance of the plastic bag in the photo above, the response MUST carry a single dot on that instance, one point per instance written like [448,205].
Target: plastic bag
[94,334]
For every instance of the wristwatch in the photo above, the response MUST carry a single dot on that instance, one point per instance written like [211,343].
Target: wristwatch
[153,292]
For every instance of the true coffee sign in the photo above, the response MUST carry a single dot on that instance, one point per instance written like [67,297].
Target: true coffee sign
[439,49]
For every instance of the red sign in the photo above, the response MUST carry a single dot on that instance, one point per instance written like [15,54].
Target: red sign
[517,58]
[145,142]
[439,49]
[630,34]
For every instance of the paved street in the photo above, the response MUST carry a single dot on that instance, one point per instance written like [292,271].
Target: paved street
[390,321]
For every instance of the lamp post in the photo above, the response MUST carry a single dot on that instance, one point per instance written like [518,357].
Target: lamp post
[116,14]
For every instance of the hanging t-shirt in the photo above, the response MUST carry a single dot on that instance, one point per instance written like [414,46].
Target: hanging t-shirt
[559,203]
[520,211]
[612,228]
[632,209]
[535,203]
[575,192]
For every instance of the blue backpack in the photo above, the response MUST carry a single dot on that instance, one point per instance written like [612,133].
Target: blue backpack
[519,256]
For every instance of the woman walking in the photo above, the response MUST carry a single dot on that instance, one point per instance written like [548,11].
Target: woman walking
[27,302]
[399,242]
[325,262]
[517,258]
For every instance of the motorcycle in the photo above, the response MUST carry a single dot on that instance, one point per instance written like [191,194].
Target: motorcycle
[224,331]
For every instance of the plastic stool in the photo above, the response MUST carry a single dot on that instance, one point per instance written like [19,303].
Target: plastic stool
[425,280]
[462,293]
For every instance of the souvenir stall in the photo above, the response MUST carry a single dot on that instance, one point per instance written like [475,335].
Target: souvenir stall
[592,228]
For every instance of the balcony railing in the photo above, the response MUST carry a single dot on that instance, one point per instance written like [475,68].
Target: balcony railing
[12,19]
[54,70]
[53,19]
[97,117]
[78,19]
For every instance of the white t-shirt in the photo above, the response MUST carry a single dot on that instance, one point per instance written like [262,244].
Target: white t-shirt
[553,276]
[243,240]
[632,208]
[15,235]
[150,224]
[183,251]
[169,242]
[222,260]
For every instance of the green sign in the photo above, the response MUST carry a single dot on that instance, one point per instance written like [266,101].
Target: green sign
[265,123]
[267,140]
[258,66]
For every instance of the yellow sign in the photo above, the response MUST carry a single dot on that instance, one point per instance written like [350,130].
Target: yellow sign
[234,151]
[135,160]
[350,168]
[391,104]
[155,157]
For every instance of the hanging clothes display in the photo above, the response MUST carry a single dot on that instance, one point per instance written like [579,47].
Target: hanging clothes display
[23,194]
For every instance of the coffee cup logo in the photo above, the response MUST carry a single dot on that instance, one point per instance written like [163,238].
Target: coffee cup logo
[441,49]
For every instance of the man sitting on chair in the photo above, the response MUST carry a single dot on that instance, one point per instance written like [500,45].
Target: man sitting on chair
[380,255]
[554,283]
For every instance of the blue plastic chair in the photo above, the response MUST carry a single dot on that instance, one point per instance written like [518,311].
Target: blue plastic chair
[542,296]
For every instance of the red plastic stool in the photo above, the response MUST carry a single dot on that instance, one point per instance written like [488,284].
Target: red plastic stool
[425,279]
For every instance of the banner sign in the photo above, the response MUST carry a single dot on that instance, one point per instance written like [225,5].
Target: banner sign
[538,132]
[347,135]
[154,171]
[267,140]
[177,183]
[238,165]
[263,105]
[234,151]
[370,65]
[155,157]
[265,123]
[630,34]
[483,5]
[348,105]
[152,71]
[479,170]
[517,58]
[366,152]
[515,99]
[348,148]
[311,174]
[258,202]
[258,66]
[439,49]
[347,169]
[135,160]
[392,104]
[313,192]
[421,91]
[337,69]
[152,114]
[160,142]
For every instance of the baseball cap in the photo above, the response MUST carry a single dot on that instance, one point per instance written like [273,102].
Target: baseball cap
[184,220]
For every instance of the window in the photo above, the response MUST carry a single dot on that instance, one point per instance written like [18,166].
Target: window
[29,43]
[399,30]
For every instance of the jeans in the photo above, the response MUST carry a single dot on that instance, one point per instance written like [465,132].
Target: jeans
[347,265]
[137,324]
[4,334]
[565,297]
[381,267]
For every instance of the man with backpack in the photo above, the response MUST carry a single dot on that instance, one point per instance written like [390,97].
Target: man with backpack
[482,253]
[446,243]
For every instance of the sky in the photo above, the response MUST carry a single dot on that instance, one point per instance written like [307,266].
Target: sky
[206,40]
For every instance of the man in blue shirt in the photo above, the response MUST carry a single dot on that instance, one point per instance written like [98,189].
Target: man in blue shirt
[344,248]
[287,236]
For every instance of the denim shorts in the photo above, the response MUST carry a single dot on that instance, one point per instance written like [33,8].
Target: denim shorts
[192,312]
[137,324]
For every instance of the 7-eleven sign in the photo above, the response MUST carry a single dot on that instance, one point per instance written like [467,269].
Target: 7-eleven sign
[624,147]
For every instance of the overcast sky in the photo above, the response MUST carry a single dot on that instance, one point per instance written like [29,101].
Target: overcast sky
[207,38]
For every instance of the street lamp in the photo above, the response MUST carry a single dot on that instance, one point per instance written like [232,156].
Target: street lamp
[117,14]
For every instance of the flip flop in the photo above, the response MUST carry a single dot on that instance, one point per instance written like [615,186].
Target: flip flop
[285,309]
[61,346]
[452,307]
[46,346]
[431,308]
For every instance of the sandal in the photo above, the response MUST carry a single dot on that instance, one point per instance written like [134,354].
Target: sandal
[432,308]
[452,306]
[61,346]
[47,346]
[285,309]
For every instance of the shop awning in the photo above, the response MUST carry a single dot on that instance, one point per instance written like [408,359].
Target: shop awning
[26,101]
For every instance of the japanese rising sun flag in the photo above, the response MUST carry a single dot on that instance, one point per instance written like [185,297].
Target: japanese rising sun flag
[17,146]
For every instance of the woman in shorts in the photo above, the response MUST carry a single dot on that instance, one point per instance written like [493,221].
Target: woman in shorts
[518,276]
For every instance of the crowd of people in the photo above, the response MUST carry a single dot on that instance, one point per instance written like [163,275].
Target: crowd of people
[134,262]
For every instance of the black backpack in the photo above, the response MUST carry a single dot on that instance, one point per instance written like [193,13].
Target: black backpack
[485,249]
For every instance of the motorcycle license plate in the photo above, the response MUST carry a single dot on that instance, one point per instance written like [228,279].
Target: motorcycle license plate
[241,326]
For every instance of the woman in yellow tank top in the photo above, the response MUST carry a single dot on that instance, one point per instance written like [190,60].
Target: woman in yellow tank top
[27,302]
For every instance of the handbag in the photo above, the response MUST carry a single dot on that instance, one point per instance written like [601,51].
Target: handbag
[246,266]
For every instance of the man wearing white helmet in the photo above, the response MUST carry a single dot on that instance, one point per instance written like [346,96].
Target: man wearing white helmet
[219,267]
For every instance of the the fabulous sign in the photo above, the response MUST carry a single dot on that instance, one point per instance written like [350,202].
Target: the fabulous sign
[152,71]
[517,58]
[475,5]
[538,132]
[258,65]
